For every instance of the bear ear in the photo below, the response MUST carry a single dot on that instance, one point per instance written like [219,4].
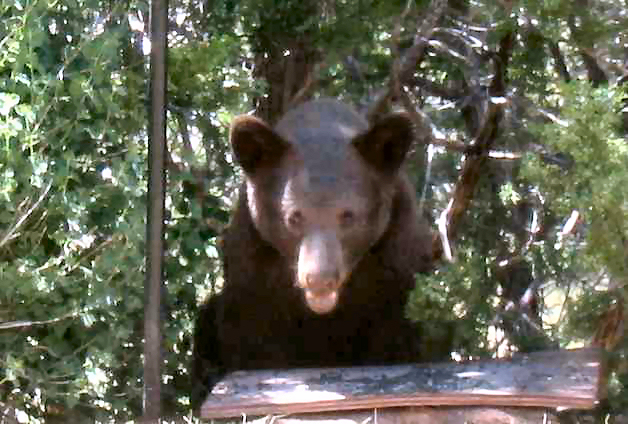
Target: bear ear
[255,144]
[386,144]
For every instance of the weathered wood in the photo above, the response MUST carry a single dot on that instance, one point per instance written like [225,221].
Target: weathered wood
[545,379]
[418,415]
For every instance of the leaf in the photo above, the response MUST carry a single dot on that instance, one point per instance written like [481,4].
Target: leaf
[7,102]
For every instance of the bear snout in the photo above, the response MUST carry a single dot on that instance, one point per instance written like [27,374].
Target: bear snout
[322,281]
[321,271]
[321,290]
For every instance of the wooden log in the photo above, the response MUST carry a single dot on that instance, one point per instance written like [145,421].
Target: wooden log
[567,379]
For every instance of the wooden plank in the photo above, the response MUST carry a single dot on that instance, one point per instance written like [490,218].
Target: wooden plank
[417,415]
[545,379]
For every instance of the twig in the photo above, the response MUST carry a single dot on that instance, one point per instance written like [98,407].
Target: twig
[13,230]
[304,91]
[11,325]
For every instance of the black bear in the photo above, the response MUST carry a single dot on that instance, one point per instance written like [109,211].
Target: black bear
[322,249]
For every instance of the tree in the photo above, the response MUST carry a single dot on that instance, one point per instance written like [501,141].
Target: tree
[521,118]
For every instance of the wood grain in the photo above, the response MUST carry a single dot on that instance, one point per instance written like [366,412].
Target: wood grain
[567,378]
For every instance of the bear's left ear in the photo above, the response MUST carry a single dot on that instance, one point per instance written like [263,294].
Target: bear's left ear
[255,144]
[386,144]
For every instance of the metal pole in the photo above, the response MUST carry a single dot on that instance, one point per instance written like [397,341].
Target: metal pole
[155,214]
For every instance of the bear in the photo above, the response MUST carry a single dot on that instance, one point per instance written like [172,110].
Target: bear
[321,251]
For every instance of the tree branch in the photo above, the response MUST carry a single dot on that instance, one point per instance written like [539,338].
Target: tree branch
[20,325]
[403,67]
[199,185]
[474,162]
[13,231]
[559,61]
[595,73]
[439,90]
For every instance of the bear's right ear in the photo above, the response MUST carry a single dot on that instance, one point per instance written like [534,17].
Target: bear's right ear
[386,144]
[255,144]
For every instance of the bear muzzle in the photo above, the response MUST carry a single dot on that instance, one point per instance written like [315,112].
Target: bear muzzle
[321,271]
[321,303]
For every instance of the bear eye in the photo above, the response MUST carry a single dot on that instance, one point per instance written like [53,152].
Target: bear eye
[296,220]
[347,218]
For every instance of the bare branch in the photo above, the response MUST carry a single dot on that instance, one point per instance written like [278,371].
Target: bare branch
[396,34]
[20,325]
[595,73]
[532,110]
[305,91]
[414,55]
[13,231]
[446,49]
[403,67]
[476,158]
[436,89]
[185,133]
[559,61]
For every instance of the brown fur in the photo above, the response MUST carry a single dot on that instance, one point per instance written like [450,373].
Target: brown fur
[260,319]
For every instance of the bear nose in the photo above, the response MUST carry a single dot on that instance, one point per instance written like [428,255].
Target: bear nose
[324,281]
[320,267]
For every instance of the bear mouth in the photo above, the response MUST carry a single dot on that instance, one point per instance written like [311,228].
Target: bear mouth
[321,301]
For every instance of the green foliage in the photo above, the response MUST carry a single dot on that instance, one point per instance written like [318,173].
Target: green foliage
[596,184]
[73,148]
[71,248]
[452,294]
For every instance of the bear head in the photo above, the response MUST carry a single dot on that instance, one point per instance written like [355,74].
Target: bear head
[320,188]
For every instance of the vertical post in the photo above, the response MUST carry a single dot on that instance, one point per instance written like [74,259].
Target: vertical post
[155,213]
